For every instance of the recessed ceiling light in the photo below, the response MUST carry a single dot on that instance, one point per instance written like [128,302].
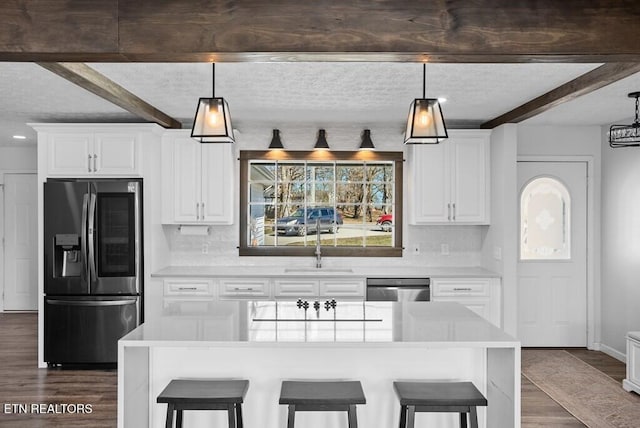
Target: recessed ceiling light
[442,100]
[19,137]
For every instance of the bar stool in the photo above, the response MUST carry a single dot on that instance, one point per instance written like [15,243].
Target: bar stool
[457,397]
[322,396]
[204,394]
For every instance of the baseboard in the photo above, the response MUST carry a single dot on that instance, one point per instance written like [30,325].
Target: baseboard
[613,353]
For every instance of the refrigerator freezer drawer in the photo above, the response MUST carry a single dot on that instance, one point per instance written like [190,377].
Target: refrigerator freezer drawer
[86,331]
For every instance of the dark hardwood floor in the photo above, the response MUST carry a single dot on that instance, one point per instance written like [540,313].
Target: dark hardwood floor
[21,382]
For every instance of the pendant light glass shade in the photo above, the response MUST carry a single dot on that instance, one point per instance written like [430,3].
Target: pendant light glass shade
[212,123]
[321,142]
[366,143]
[276,143]
[425,124]
[626,135]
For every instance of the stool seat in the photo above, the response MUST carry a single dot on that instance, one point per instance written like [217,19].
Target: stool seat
[457,397]
[324,396]
[204,394]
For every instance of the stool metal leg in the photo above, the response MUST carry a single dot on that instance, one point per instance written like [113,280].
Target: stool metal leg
[231,414]
[169,422]
[239,415]
[353,417]
[403,417]
[473,415]
[463,420]
[411,416]
[178,418]
[291,420]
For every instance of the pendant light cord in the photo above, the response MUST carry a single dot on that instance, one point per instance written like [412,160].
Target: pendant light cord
[424,82]
[213,80]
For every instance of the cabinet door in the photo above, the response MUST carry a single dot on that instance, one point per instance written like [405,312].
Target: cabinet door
[186,180]
[217,183]
[116,154]
[69,154]
[233,289]
[470,189]
[430,184]
[342,288]
[295,288]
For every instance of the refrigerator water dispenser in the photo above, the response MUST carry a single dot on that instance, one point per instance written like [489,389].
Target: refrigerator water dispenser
[67,256]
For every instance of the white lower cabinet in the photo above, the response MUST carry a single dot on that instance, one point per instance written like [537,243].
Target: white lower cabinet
[244,288]
[294,288]
[632,381]
[481,295]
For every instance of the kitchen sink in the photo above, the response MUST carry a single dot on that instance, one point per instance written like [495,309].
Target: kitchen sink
[318,270]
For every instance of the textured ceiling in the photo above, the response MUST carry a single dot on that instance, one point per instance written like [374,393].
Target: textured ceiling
[319,93]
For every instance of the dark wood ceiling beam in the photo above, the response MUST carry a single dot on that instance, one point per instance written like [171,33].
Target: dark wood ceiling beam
[89,79]
[290,30]
[588,82]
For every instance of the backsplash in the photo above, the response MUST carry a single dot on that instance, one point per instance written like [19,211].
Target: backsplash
[424,247]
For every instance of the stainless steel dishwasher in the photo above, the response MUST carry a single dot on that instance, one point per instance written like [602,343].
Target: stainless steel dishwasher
[398,289]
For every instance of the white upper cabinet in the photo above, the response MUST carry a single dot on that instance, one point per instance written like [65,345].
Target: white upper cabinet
[197,180]
[79,151]
[449,182]
[76,155]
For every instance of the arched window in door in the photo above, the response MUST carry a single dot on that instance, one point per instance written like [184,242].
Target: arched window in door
[545,220]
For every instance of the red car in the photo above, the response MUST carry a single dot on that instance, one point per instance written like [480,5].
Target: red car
[385,221]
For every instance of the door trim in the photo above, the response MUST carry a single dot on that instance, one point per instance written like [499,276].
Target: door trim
[593,256]
[3,174]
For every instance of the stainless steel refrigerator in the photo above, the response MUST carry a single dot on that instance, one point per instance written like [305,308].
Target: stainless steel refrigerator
[93,268]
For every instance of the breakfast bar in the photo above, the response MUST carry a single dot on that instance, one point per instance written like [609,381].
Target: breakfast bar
[267,342]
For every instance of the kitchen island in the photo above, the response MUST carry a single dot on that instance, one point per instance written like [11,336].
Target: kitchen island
[268,341]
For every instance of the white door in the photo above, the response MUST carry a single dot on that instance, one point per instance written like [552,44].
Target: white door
[552,266]
[469,185]
[21,242]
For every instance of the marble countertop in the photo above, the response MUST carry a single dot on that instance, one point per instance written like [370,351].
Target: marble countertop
[269,323]
[356,271]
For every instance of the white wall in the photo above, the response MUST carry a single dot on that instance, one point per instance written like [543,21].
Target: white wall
[465,242]
[499,250]
[620,244]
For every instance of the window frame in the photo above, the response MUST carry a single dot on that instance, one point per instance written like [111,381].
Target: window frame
[397,158]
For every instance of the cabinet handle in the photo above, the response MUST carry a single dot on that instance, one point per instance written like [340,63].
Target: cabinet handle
[462,289]
[197,210]
[95,163]
[89,164]
[454,211]
[449,211]
[187,288]
[243,288]
[202,210]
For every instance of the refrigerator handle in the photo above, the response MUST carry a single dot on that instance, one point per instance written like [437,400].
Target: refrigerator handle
[92,231]
[83,238]
[62,302]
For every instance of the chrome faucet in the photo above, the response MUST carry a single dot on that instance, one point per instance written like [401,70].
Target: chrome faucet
[318,252]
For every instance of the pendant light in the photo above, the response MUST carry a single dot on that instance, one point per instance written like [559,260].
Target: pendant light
[426,123]
[212,123]
[276,143]
[626,135]
[321,142]
[366,143]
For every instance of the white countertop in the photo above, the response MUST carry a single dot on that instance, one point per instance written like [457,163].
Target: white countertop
[268,323]
[358,271]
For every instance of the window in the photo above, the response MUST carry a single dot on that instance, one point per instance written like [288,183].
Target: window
[352,201]
[545,216]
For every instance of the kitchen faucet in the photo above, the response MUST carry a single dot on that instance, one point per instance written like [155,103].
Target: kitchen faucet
[318,252]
